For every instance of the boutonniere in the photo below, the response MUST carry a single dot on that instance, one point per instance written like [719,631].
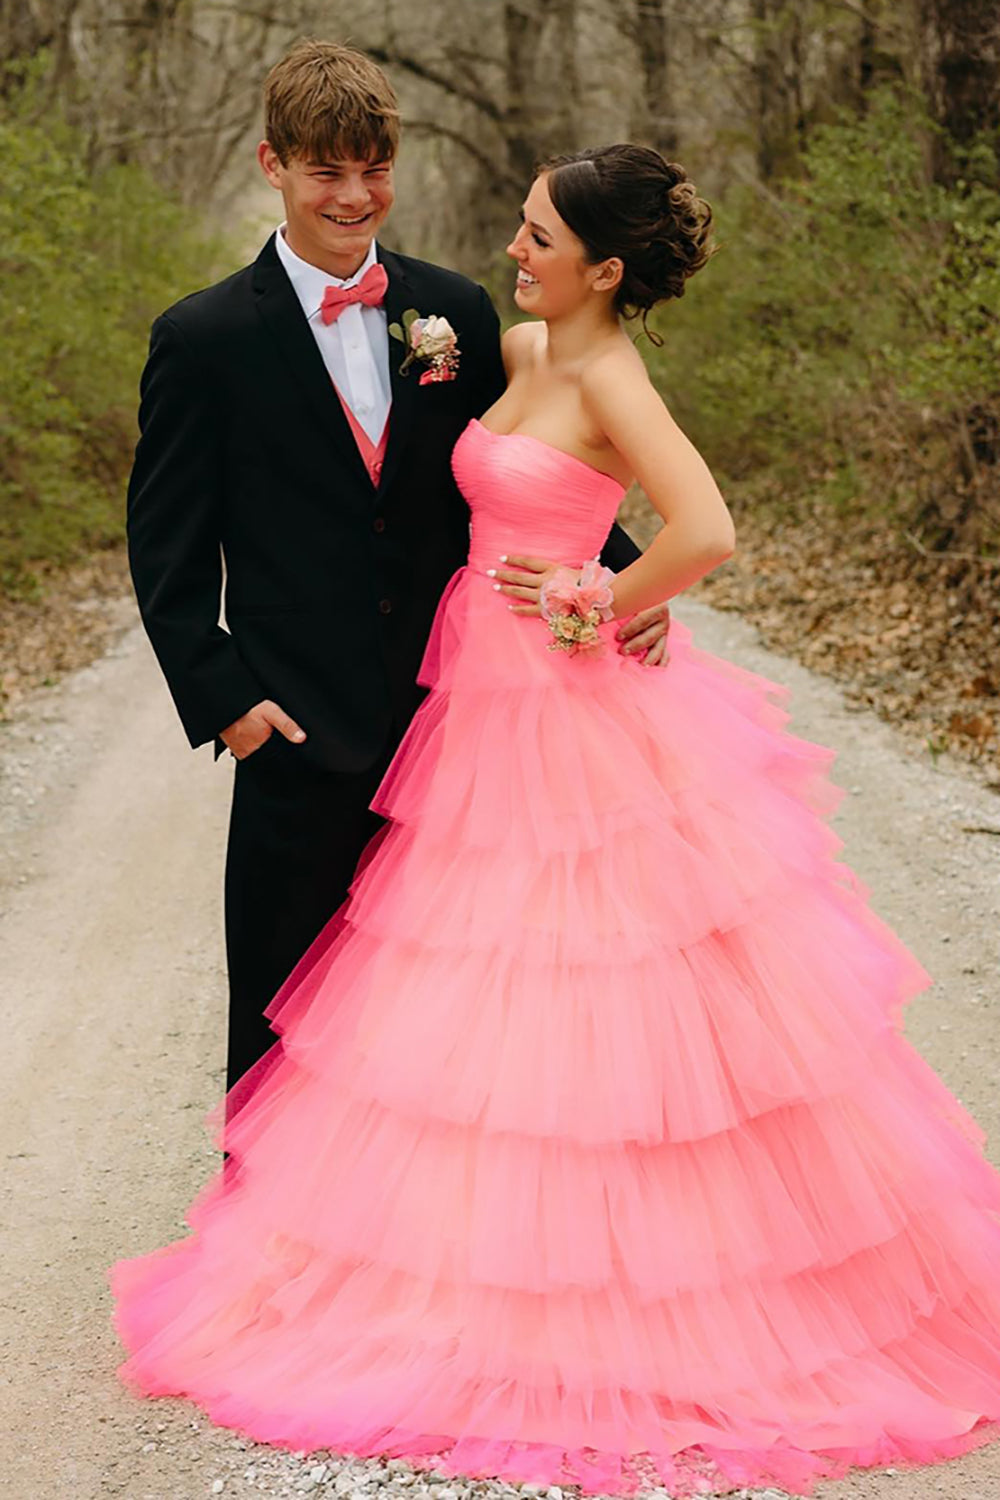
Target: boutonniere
[431,340]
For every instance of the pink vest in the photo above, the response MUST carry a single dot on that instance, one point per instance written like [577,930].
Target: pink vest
[372,453]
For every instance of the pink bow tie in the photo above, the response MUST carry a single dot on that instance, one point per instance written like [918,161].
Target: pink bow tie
[370,290]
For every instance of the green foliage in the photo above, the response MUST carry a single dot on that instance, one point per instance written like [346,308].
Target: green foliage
[87,261]
[849,321]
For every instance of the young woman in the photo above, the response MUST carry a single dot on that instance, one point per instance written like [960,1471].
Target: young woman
[591,1150]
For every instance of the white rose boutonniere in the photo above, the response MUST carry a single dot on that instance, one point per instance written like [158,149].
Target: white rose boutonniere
[433,341]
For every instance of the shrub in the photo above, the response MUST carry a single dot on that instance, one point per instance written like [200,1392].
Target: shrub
[87,260]
[845,341]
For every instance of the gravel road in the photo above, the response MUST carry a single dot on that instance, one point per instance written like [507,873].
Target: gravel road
[111,851]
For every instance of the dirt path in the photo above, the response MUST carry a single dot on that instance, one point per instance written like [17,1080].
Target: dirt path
[111,849]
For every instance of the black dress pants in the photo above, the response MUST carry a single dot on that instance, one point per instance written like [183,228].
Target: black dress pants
[295,837]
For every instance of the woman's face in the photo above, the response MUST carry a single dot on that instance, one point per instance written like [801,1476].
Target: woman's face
[553,274]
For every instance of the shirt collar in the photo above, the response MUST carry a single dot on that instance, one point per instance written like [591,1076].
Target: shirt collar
[309,281]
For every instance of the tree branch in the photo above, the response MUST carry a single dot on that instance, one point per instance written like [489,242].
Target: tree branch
[391,58]
[488,163]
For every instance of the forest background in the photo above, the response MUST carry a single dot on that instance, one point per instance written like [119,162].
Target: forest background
[837,363]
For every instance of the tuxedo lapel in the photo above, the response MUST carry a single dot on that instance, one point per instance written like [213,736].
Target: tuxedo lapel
[399,297]
[282,314]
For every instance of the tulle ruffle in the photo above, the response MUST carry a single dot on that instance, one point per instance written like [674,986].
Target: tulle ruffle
[591,1150]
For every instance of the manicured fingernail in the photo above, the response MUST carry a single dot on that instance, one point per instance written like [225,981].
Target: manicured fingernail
[298,736]
[619,635]
[496,586]
[503,557]
[491,572]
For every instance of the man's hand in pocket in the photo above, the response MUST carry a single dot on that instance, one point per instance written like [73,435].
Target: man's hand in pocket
[247,733]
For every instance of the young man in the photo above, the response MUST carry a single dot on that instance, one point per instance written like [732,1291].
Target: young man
[278,433]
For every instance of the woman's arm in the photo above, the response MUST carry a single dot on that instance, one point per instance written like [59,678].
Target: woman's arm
[698,531]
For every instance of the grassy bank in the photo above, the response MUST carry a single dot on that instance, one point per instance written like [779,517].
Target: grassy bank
[88,258]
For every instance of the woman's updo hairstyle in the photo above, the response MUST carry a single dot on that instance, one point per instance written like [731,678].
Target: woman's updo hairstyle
[628,201]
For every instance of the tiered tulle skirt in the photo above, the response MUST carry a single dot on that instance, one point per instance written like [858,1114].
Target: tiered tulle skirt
[592,1151]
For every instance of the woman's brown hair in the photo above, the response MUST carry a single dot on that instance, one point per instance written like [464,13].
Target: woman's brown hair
[630,202]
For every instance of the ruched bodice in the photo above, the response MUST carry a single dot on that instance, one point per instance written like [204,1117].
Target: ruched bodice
[530,497]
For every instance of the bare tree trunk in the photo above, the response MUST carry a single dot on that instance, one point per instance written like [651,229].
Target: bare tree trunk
[794,85]
[767,87]
[523,21]
[962,67]
[781,34]
[655,122]
[866,52]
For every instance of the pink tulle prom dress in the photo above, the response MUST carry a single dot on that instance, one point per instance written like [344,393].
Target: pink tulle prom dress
[590,1149]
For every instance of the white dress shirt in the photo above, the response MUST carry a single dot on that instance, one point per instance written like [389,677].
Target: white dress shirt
[355,346]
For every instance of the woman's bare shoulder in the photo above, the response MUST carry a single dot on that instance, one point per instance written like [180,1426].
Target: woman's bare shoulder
[617,360]
[615,378]
[520,344]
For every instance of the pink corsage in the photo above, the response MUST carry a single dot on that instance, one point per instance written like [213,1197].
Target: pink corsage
[574,604]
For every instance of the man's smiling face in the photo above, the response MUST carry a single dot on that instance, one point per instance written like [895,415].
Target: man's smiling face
[333,209]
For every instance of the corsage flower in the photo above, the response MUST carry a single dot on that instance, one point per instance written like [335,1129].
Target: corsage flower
[433,341]
[574,605]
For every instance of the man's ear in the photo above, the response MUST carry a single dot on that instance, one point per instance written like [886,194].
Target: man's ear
[270,163]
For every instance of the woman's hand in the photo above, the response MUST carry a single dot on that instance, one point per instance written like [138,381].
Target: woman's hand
[643,636]
[521,578]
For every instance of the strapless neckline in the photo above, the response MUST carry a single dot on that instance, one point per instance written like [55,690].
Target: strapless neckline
[528,438]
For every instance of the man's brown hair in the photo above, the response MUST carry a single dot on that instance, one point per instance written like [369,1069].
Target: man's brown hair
[326,102]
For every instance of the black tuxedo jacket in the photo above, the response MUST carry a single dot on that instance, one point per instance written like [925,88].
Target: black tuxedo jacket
[248,485]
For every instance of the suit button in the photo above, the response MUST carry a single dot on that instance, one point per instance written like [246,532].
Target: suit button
[379,523]
[385,608]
